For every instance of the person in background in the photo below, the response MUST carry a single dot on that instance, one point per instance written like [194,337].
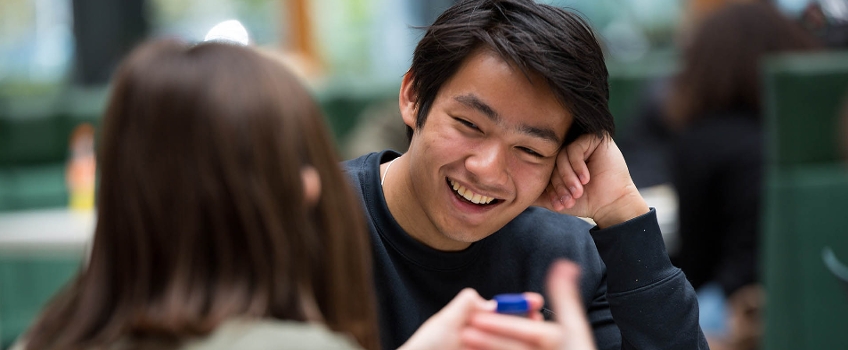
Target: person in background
[506,106]
[828,21]
[715,111]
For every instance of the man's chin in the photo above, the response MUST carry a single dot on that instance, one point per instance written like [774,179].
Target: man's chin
[471,236]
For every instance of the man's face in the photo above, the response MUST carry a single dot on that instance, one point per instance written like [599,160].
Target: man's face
[486,150]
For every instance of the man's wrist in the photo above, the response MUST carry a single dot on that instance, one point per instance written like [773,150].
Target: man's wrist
[624,208]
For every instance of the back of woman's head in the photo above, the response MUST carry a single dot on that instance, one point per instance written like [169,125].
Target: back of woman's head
[721,66]
[202,211]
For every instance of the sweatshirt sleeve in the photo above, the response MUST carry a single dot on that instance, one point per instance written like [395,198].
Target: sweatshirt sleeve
[652,303]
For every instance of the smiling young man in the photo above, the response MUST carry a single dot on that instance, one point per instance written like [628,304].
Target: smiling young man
[510,141]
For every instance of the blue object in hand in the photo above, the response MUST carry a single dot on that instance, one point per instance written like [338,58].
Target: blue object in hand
[512,304]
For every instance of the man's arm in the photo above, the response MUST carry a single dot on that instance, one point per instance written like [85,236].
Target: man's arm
[650,300]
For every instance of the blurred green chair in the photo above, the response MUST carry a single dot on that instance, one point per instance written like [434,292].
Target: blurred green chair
[629,83]
[344,101]
[806,202]
[803,94]
[26,284]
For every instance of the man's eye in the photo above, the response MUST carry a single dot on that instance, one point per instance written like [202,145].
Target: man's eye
[467,123]
[531,152]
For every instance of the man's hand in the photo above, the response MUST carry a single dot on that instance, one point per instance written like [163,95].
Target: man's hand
[590,179]
[570,332]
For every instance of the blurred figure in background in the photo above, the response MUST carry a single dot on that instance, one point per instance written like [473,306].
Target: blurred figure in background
[828,21]
[717,159]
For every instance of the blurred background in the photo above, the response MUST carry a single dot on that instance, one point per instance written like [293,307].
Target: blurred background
[56,58]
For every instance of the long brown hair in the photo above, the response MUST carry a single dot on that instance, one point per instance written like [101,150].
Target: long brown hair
[201,208]
[721,66]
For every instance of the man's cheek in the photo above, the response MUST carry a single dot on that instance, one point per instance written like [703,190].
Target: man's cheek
[539,184]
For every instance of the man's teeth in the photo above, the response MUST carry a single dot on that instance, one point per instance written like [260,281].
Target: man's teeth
[470,196]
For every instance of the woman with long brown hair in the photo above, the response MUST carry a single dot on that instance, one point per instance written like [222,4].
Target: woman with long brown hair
[222,214]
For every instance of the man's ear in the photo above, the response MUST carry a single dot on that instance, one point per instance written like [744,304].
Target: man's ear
[311,185]
[407,100]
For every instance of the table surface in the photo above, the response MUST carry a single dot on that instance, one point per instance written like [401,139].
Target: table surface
[62,229]
[46,230]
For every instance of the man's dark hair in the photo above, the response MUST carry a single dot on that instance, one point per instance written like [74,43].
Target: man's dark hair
[537,38]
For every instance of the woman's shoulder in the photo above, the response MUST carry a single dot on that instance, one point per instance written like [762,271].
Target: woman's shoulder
[271,334]
[257,334]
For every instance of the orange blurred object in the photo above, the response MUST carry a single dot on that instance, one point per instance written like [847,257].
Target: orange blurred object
[80,175]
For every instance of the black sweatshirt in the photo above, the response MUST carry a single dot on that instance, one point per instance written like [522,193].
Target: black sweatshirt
[634,297]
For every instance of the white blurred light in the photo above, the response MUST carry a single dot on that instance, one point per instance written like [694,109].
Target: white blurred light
[228,31]
[836,9]
[625,40]
[792,7]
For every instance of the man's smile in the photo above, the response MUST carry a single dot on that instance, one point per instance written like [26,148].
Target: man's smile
[470,196]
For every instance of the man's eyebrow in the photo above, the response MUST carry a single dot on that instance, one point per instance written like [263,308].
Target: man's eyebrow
[542,133]
[474,102]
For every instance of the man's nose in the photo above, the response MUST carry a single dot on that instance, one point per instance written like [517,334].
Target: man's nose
[488,163]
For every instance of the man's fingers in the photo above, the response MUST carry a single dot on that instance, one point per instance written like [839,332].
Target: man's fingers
[550,199]
[558,182]
[572,168]
[579,153]
[569,183]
